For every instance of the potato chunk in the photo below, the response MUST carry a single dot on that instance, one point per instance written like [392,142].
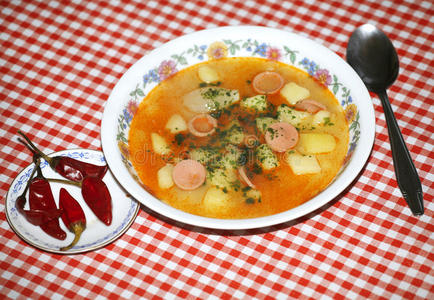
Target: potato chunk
[164,176]
[222,178]
[253,195]
[209,99]
[233,133]
[302,164]
[216,200]
[207,74]
[204,155]
[232,157]
[220,97]
[256,103]
[292,92]
[266,158]
[176,124]
[262,123]
[159,144]
[321,118]
[315,143]
[292,116]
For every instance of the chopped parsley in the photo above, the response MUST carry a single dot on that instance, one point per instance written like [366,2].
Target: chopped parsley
[270,176]
[216,114]
[256,169]
[211,93]
[179,138]
[273,132]
[327,122]
[250,201]
[246,188]
[236,185]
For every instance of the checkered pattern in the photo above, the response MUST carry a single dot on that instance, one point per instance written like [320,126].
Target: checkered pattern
[58,64]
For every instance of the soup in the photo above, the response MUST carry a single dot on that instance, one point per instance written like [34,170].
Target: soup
[238,138]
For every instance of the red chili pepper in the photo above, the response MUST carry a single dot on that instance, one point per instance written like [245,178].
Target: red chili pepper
[68,167]
[97,196]
[35,216]
[76,170]
[41,198]
[73,216]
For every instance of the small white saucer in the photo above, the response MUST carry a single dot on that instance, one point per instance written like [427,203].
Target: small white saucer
[96,234]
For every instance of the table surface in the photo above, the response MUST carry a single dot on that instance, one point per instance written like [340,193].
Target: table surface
[59,63]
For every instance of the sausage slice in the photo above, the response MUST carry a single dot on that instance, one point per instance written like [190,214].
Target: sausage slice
[311,106]
[202,125]
[189,174]
[267,82]
[281,136]
[245,178]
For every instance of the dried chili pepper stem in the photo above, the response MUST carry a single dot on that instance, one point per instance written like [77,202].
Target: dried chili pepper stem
[34,149]
[28,182]
[73,216]
[64,181]
[77,229]
[36,157]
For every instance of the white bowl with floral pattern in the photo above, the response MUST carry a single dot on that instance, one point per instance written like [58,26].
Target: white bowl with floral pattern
[237,41]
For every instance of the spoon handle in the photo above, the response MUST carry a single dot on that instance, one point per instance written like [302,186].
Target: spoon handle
[406,174]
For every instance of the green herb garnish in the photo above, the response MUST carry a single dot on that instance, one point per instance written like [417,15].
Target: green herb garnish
[179,138]
[327,122]
[250,201]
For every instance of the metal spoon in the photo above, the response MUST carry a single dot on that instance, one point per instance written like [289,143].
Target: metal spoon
[373,57]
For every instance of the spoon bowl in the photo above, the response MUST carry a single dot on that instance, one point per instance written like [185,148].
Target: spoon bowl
[373,57]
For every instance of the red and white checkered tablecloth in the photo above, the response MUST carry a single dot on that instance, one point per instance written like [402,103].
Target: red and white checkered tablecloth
[59,61]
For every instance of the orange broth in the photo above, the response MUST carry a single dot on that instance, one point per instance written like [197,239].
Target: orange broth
[280,188]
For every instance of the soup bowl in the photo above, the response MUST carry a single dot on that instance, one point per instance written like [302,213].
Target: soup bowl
[237,41]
